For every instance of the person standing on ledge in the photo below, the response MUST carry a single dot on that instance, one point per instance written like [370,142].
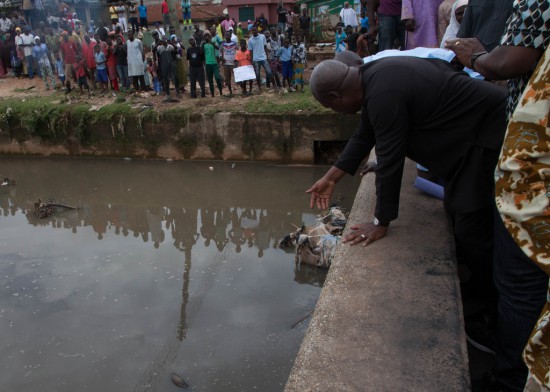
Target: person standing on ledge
[424,110]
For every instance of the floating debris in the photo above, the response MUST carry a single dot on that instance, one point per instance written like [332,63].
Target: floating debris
[302,319]
[211,168]
[316,245]
[7,182]
[178,381]
[45,210]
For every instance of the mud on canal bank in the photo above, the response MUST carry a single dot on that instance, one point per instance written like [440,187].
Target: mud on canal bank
[291,127]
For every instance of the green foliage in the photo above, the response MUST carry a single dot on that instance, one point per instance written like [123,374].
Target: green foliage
[286,103]
[177,115]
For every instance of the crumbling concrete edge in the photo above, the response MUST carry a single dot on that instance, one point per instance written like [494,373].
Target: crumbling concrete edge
[389,317]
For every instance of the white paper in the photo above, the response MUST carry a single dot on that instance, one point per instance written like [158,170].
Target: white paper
[246,72]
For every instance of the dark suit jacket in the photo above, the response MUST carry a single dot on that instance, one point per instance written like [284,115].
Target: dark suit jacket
[443,119]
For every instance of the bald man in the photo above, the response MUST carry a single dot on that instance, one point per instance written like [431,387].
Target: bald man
[425,110]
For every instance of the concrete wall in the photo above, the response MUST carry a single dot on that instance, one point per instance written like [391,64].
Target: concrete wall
[389,317]
[228,136]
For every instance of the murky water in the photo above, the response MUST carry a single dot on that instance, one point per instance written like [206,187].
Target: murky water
[163,268]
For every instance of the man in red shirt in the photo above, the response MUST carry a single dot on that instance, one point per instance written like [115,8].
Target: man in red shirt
[165,15]
[69,50]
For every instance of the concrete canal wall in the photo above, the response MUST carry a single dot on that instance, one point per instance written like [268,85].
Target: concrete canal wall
[389,317]
[121,131]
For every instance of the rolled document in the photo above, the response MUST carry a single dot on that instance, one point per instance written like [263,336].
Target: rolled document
[429,187]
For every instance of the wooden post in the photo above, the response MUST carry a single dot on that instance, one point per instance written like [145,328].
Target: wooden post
[174,18]
[88,17]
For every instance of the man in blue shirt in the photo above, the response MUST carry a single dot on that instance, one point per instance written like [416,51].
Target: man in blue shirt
[257,46]
[142,9]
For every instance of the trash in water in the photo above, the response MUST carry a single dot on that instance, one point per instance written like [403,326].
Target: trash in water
[127,158]
[7,182]
[211,168]
[45,210]
[302,319]
[316,245]
[178,381]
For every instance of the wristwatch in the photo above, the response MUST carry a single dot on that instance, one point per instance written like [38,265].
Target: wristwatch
[474,57]
[376,222]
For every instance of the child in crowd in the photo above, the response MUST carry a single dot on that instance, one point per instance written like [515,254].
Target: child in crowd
[272,48]
[80,71]
[16,64]
[101,68]
[228,51]
[60,68]
[340,38]
[242,58]
[154,76]
[299,60]
[285,56]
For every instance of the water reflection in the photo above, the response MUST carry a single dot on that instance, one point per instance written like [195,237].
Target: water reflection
[173,215]
[166,265]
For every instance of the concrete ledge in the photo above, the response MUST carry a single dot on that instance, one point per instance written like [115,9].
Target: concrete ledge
[389,317]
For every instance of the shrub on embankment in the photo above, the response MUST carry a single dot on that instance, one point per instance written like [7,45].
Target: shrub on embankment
[262,127]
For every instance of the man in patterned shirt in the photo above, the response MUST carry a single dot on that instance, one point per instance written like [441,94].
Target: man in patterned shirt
[521,285]
[522,194]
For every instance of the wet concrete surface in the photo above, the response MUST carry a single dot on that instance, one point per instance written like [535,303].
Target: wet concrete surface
[389,317]
[163,268]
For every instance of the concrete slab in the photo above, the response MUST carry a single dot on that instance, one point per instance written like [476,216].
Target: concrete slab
[389,317]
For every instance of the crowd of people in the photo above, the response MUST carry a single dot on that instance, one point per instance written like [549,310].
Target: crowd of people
[112,57]
[398,25]
[488,145]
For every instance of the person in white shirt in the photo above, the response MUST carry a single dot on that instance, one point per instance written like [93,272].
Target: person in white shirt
[5,23]
[349,17]
[26,42]
[121,11]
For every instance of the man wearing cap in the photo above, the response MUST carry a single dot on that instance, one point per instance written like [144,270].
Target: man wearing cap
[159,30]
[348,16]
[136,70]
[40,54]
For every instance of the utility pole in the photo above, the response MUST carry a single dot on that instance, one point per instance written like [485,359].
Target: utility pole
[174,18]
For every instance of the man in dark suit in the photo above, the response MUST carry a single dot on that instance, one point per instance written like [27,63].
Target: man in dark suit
[425,110]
